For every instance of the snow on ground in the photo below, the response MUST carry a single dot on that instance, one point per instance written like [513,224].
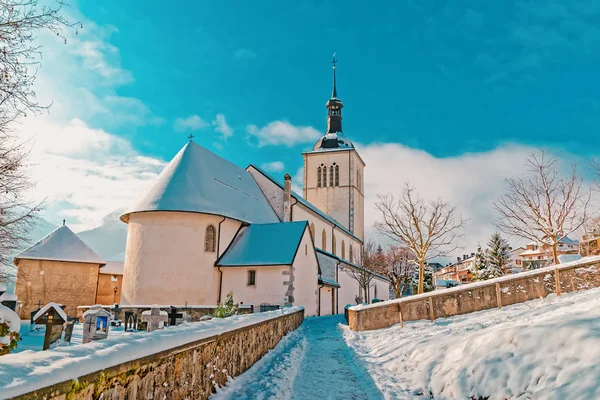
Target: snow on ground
[313,362]
[542,349]
[29,370]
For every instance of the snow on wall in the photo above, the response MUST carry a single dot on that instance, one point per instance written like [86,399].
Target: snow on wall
[29,370]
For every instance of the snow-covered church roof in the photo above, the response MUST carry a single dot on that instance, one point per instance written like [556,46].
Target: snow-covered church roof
[61,245]
[197,180]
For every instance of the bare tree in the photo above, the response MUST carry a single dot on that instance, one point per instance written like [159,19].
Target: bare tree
[428,228]
[545,207]
[366,260]
[20,58]
[398,264]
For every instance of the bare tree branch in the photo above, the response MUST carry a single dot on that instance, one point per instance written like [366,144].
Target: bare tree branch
[546,206]
[428,229]
[20,58]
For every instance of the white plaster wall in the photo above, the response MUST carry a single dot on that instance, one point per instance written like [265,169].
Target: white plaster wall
[306,276]
[165,261]
[326,303]
[383,289]
[301,213]
[348,290]
[269,286]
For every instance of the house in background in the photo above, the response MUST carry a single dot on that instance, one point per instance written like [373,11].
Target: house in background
[461,271]
[515,261]
[539,255]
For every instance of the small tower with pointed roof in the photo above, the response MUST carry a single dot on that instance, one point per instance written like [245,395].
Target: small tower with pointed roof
[334,171]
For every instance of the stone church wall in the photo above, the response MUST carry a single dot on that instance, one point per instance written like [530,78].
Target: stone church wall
[67,283]
[478,296]
[190,371]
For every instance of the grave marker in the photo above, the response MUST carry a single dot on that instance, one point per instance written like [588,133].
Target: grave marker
[53,316]
[174,316]
[96,323]
[154,318]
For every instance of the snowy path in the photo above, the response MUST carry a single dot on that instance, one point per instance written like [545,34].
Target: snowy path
[312,362]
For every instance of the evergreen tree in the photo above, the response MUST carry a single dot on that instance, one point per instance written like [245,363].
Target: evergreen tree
[480,265]
[227,309]
[498,255]
[428,284]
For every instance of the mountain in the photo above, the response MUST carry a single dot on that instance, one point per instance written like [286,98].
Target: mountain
[108,239]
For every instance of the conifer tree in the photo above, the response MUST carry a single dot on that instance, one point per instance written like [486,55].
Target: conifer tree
[480,265]
[498,255]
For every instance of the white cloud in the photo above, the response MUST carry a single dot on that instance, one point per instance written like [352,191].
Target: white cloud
[189,124]
[84,172]
[274,166]
[283,133]
[471,181]
[222,127]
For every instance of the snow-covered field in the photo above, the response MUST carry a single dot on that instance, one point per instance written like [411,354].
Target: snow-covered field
[542,349]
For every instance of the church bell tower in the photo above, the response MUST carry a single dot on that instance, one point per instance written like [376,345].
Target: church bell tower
[334,171]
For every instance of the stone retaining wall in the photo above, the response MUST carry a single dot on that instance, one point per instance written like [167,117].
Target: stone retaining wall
[186,372]
[495,293]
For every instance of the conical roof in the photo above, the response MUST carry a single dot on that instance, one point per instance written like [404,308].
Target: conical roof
[61,245]
[197,180]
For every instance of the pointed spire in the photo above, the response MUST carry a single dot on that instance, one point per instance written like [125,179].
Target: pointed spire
[334,91]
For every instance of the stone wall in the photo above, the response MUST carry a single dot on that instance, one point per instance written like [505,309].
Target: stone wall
[186,372]
[62,282]
[495,293]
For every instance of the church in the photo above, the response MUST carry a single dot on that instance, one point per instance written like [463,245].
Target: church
[207,227]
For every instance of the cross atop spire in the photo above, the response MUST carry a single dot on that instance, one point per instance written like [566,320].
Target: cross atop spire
[334,105]
[334,92]
[191,137]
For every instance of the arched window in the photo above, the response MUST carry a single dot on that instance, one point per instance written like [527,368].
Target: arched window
[312,231]
[343,250]
[333,245]
[337,175]
[351,260]
[324,240]
[324,176]
[331,176]
[209,239]
[319,177]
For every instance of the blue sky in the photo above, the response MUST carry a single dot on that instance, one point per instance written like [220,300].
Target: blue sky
[445,77]
[449,95]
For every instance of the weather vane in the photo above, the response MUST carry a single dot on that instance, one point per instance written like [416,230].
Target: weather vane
[191,137]
[334,61]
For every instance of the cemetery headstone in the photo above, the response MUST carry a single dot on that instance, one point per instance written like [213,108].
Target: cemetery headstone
[53,316]
[154,318]
[131,322]
[68,331]
[96,324]
[175,318]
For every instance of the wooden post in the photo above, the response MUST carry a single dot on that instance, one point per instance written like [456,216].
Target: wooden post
[498,295]
[431,316]
[557,281]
